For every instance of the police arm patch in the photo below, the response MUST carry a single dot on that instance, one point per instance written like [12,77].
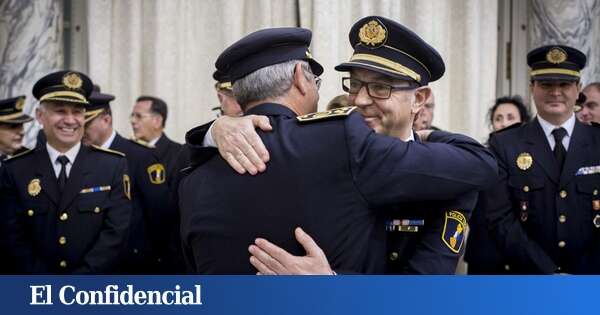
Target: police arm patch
[453,234]
[126,186]
[337,112]
[156,173]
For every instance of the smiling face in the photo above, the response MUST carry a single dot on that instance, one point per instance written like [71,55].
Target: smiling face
[11,136]
[392,116]
[63,124]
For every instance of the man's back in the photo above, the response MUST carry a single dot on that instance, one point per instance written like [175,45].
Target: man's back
[323,176]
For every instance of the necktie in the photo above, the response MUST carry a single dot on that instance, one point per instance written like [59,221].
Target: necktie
[559,150]
[62,176]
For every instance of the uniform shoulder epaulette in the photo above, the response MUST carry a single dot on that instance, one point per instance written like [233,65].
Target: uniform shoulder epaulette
[19,154]
[108,150]
[142,143]
[337,112]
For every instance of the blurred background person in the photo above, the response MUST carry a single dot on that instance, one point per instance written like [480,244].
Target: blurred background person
[590,109]
[481,253]
[338,101]
[12,119]
[424,119]
[148,119]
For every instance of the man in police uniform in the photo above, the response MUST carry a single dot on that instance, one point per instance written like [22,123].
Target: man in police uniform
[152,213]
[67,204]
[421,237]
[377,171]
[12,119]
[148,119]
[544,213]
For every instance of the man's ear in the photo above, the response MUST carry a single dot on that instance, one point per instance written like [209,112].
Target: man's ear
[38,114]
[300,81]
[422,94]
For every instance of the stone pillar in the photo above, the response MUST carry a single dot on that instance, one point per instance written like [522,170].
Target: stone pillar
[31,45]
[568,22]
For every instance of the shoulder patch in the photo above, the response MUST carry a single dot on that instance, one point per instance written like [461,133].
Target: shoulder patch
[337,112]
[19,154]
[108,150]
[453,234]
[142,143]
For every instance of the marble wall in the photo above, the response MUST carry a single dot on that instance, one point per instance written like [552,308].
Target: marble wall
[571,22]
[31,45]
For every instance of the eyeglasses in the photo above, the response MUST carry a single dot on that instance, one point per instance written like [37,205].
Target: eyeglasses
[374,89]
[138,116]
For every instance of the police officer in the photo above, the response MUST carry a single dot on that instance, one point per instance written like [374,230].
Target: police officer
[307,183]
[152,214]
[424,237]
[12,119]
[544,212]
[68,204]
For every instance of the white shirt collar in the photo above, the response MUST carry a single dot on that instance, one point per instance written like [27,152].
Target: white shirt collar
[548,127]
[109,141]
[154,141]
[54,154]
[411,137]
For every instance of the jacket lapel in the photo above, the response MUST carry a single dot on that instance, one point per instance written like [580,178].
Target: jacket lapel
[75,180]
[577,155]
[540,150]
[45,172]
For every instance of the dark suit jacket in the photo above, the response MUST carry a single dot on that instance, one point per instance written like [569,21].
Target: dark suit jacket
[167,151]
[543,219]
[325,176]
[152,214]
[82,230]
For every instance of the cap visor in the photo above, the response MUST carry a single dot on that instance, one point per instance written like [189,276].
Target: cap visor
[348,66]
[554,77]
[18,120]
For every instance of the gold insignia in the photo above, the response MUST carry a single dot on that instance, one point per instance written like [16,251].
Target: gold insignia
[556,56]
[20,103]
[337,112]
[157,173]
[72,80]
[34,187]
[308,55]
[524,161]
[127,186]
[453,234]
[108,150]
[372,34]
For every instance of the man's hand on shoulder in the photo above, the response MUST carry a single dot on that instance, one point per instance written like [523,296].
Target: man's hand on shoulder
[239,144]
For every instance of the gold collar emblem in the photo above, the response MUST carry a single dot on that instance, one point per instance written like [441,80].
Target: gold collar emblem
[34,187]
[72,80]
[524,161]
[372,34]
[556,56]
[20,103]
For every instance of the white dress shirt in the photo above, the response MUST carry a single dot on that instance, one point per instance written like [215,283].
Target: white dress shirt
[109,141]
[548,127]
[54,154]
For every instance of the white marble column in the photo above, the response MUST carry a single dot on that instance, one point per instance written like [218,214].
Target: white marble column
[569,22]
[31,45]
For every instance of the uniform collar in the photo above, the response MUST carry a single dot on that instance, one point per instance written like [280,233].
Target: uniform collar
[71,154]
[109,141]
[271,109]
[548,127]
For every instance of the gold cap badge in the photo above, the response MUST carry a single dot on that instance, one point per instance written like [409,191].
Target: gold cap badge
[524,161]
[20,103]
[34,187]
[72,80]
[556,56]
[372,34]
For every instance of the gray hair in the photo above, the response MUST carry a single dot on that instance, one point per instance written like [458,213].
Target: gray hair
[269,82]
